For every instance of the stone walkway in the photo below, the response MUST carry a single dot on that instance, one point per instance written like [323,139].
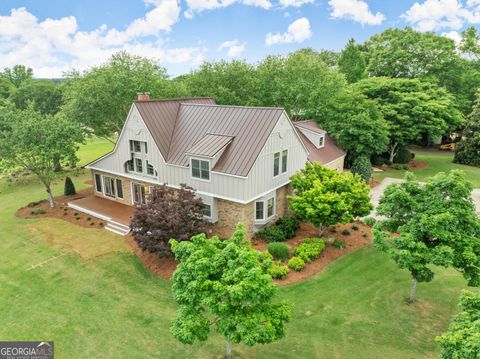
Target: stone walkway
[377,192]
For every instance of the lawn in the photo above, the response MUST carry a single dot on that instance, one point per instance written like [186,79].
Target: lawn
[437,162]
[108,305]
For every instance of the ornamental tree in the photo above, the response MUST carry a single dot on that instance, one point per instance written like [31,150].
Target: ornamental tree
[35,143]
[436,223]
[169,213]
[462,340]
[325,197]
[467,151]
[225,284]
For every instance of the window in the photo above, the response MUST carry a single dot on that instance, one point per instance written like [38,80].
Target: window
[207,210]
[136,146]
[276,164]
[138,193]
[150,169]
[284,161]
[139,164]
[146,147]
[259,210]
[109,183]
[130,165]
[98,183]
[270,207]
[320,141]
[119,188]
[200,169]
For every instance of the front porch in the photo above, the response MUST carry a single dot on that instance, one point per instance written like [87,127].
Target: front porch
[117,215]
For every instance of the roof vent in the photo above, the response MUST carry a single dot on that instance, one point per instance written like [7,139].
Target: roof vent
[143,96]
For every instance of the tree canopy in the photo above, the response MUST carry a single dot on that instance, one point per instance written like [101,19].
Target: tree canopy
[225,284]
[437,224]
[352,62]
[17,74]
[45,95]
[324,197]
[467,150]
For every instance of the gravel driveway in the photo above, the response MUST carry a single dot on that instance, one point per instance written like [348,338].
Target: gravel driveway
[377,192]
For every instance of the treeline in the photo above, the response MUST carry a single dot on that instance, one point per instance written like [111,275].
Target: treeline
[398,88]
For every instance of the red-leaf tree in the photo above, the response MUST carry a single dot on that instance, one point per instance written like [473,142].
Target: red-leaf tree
[169,214]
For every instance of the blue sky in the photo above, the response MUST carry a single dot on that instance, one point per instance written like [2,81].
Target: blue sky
[53,36]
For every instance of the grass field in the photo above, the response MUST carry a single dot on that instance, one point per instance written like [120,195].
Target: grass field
[437,162]
[109,306]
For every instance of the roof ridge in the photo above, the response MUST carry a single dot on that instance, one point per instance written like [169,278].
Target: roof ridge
[174,99]
[232,106]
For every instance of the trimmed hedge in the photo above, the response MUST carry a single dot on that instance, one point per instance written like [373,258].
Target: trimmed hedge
[296,263]
[279,250]
[310,249]
[278,270]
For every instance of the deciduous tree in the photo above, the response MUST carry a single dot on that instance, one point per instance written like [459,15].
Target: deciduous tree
[352,62]
[225,284]
[45,96]
[325,197]
[437,224]
[17,74]
[35,142]
[467,150]
[169,213]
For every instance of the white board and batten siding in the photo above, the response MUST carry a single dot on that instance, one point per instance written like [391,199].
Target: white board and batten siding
[238,189]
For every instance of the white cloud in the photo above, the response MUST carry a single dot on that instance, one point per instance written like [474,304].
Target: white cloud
[432,15]
[298,31]
[454,35]
[356,10]
[196,6]
[53,46]
[234,47]
[295,3]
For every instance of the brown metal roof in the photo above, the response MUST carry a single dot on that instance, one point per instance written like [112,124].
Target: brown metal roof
[328,153]
[160,116]
[310,125]
[210,145]
[250,127]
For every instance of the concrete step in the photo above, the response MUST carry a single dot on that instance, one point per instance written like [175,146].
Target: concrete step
[121,230]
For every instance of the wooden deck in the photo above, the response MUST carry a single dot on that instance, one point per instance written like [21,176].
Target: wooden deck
[104,209]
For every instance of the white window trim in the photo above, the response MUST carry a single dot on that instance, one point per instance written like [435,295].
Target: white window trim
[211,211]
[101,183]
[280,173]
[265,200]
[209,169]
[322,137]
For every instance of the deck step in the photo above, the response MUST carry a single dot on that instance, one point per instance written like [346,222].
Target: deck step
[117,228]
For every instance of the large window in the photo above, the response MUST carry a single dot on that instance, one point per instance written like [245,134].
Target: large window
[139,165]
[109,183]
[207,210]
[265,209]
[98,182]
[150,169]
[280,167]
[138,193]
[200,169]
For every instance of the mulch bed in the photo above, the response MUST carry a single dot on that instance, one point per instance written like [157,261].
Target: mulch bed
[413,165]
[72,215]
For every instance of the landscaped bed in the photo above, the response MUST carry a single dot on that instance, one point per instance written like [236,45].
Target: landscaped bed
[356,239]
[61,210]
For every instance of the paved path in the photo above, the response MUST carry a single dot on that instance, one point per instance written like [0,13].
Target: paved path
[377,192]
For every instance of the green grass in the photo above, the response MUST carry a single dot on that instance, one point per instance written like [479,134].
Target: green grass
[110,306]
[94,148]
[437,162]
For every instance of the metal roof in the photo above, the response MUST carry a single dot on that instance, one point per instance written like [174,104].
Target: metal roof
[328,153]
[160,117]
[310,125]
[210,145]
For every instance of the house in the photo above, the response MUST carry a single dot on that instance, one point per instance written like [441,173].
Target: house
[239,159]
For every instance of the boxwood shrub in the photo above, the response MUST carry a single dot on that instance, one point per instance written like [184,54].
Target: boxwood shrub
[296,263]
[310,249]
[278,270]
[289,226]
[279,250]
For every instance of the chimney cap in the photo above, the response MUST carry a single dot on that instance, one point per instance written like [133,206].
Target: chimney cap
[143,96]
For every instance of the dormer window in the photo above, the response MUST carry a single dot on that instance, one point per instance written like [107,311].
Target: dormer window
[321,141]
[200,169]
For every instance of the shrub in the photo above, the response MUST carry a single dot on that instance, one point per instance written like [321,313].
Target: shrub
[378,160]
[365,235]
[38,211]
[89,218]
[338,243]
[69,189]
[278,270]
[403,156]
[363,167]
[100,224]
[346,232]
[399,167]
[271,234]
[289,225]
[355,227]
[309,249]
[279,250]
[296,263]
[75,214]
[77,218]
[92,223]
[65,209]
[369,221]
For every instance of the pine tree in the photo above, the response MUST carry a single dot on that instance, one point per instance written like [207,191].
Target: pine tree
[69,189]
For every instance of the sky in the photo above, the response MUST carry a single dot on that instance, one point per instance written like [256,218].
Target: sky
[55,36]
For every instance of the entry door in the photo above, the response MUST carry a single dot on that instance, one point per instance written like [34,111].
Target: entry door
[138,193]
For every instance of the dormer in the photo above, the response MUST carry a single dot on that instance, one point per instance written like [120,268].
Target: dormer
[205,153]
[311,131]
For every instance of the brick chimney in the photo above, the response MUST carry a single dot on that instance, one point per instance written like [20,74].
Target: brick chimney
[143,96]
